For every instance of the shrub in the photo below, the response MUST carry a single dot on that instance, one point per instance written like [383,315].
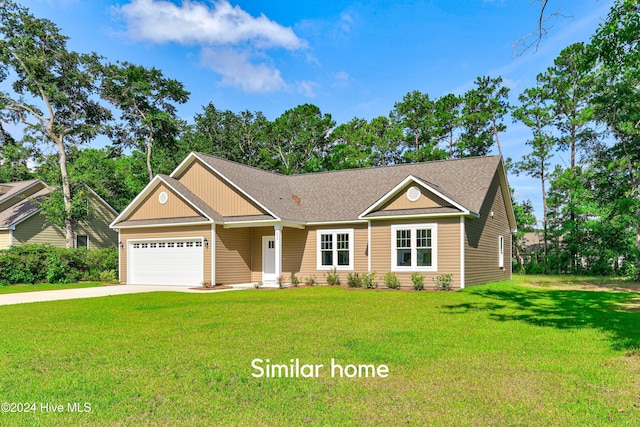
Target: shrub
[332,277]
[391,280]
[368,280]
[310,281]
[110,276]
[443,282]
[418,281]
[38,263]
[280,280]
[354,280]
[295,281]
[257,285]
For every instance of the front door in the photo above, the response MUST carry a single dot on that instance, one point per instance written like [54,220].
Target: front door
[268,259]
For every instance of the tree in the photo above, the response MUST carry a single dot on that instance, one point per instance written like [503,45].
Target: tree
[145,98]
[416,114]
[53,92]
[525,222]
[385,139]
[298,139]
[448,115]
[616,50]
[13,159]
[483,110]
[350,146]
[536,114]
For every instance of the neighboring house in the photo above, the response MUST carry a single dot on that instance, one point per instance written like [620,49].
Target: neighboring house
[220,221]
[22,220]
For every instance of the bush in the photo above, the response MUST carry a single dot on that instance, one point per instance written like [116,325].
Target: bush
[443,282]
[310,281]
[295,281]
[39,263]
[332,277]
[391,280]
[418,281]
[368,280]
[354,280]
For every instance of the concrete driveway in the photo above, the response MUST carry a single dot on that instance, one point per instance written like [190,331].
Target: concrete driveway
[101,291]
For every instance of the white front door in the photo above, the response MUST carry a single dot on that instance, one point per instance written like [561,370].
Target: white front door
[268,259]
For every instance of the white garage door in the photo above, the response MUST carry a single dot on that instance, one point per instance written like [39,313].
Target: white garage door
[166,262]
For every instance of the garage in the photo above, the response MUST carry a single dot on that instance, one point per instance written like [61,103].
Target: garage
[177,262]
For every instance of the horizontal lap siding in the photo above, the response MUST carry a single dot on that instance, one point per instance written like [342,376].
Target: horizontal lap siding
[97,227]
[38,230]
[481,252]
[299,251]
[165,233]
[448,250]
[233,255]
[5,238]
[426,200]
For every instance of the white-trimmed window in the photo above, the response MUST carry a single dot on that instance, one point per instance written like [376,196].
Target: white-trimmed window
[501,251]
[414,247]
[335,249]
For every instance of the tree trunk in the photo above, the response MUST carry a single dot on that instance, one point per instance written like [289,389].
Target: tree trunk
[66,192]
[149,157]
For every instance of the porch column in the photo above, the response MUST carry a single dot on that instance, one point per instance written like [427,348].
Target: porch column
[278,243]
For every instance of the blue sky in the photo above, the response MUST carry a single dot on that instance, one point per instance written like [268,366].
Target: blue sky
[350,58]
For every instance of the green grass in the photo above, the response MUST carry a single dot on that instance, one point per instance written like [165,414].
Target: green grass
[491,355]
[12,289]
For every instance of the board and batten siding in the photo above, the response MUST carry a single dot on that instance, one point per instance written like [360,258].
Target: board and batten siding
[159,233]
[233,255]
[448,249]
[214,191]
[426,200]
[482,239]
[151,208]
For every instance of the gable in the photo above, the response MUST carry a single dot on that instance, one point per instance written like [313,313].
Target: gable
[425,199]
[151,208]
[216,192]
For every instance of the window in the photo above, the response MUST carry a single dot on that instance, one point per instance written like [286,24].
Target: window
[414,247]
[82,241]
[500,251]
[335,249]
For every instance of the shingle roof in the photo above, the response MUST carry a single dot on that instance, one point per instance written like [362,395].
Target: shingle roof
[10,189]
[22,209]
[344,195]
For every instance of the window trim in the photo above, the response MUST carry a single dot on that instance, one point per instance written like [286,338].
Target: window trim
[434,247]
[334,232]
[82,235]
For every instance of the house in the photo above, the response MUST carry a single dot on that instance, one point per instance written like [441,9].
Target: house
[22,220]
[220,221]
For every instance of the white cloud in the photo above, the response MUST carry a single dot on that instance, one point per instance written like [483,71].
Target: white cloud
[341,79]
[231,39]
[306,88]
[237,70]
[195,23]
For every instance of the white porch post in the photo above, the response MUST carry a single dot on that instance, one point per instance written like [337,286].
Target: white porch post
[278,243]
[462,246]
[212,248]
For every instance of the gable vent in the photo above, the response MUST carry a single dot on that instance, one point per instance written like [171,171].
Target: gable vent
[413,194]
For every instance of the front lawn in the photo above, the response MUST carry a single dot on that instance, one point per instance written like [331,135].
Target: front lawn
[12,289]
[498,354]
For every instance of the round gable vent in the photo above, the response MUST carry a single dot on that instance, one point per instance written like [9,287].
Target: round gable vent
[163,197]
[413,194]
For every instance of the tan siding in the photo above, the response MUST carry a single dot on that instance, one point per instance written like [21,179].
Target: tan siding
[19,197]
[216,192]
[426,200]
[97,228]
[448,250]
[481,251]
[233,255]
[165,233]
[151,208]
[38,230]
[299,251]
[5,238]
